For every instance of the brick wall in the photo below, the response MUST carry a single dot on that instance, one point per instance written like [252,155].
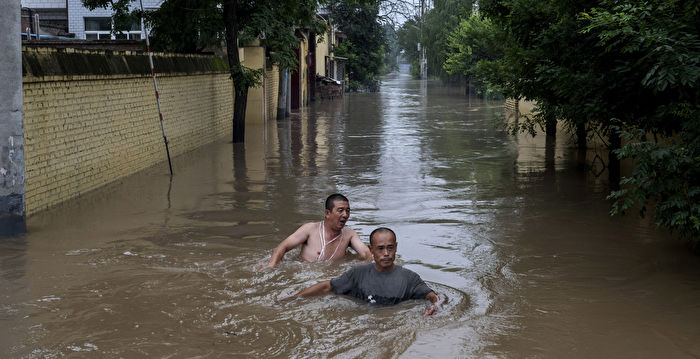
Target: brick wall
[84,131]
[510,105]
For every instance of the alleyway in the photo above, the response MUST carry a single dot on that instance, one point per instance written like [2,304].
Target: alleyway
[527,255]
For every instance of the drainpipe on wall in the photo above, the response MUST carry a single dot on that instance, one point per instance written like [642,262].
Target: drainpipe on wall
[282,95]
[288,97]
[36,26]
[12,189]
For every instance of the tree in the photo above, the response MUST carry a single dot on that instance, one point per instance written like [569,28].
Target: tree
[549,60]
[628,69]
[657,43]
[199,26]
[438,23]
[364,46]
[273,20]
[392,49]
[408,38]
[471,48]
[431,32]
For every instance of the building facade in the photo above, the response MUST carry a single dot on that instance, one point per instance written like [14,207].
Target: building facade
[81,23]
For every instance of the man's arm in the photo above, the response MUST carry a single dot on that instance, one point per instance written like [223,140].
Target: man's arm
[435,300]
[297,238]
[359,247]
[316,289]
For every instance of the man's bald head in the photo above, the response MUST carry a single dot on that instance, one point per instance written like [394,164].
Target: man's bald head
[381,230]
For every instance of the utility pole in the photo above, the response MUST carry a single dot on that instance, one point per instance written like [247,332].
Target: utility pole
[12,188]
[423,60]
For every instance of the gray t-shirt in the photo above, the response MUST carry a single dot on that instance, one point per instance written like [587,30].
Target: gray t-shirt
[386,288]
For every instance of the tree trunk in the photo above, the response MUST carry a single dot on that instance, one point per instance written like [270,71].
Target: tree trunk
[234,62]
[613,161]
[239,107]
[469,91]
[581,135]
[551,127]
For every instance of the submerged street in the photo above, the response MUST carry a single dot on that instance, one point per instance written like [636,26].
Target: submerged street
[519,241]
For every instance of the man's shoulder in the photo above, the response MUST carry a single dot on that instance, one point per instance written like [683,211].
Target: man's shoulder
[363,267]
[355,273]
[405,271]
[309,226]
[348,231]
[360,269]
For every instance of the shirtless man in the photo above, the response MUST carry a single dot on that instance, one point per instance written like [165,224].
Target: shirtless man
[325,240]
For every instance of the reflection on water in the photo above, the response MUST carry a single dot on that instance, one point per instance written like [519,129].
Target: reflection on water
[510,230]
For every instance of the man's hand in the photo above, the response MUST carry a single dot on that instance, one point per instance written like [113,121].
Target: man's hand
[435,303]
[267,266]
[432,309]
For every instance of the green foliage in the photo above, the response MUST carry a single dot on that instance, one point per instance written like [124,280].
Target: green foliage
[364,47]
[472,48]
[415,68]
[195,25]
[607,62]
[240,20]
[188,26]
[665,174]
[658,43]
[671,45]
[122,17]
[548,59]
[345,49]
[439,22]
[275,21]
[246,77]
[408,37]
[392,49]
[432,32]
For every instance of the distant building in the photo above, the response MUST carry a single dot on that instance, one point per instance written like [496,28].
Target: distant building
[329,69]
[71,19]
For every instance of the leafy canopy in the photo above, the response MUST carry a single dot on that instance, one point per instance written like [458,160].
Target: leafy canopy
[364,46]
[622,68]
[472,48]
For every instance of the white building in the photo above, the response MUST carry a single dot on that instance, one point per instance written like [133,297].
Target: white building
[86,24]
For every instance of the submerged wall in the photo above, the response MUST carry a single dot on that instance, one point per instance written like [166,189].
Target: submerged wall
[91,116]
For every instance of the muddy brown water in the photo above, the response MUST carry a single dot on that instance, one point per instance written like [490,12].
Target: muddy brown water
[517,238]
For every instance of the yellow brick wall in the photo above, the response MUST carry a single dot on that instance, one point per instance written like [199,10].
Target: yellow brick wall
[82,132]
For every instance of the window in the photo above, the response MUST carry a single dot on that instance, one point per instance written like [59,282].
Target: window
[133,32]
[100,28]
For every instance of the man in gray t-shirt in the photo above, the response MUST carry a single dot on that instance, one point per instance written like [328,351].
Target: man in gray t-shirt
[381,282]
[386,288]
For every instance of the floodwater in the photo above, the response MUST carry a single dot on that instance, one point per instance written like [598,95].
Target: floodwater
[516,237]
